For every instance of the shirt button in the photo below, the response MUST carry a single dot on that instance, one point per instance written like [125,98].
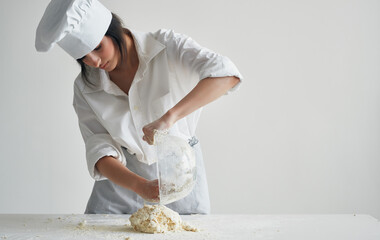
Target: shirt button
[136,108]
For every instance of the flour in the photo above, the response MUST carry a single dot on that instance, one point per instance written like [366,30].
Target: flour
[82,224]
[158,219]
[187,227]
[172,192]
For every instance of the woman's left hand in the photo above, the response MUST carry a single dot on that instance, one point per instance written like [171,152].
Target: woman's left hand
[163,123]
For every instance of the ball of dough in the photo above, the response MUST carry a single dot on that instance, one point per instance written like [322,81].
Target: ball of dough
[156,219]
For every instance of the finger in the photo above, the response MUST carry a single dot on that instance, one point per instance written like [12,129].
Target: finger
[146,139]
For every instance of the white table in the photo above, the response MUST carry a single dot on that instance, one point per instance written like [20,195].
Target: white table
[290,227]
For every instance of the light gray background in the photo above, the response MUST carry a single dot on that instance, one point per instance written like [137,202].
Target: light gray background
[302,135]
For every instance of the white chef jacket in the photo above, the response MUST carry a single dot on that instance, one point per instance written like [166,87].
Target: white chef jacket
[170,65]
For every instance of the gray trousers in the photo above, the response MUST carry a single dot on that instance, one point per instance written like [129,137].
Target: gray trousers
[109,198]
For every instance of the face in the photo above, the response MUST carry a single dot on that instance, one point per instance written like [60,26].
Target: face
[104,56]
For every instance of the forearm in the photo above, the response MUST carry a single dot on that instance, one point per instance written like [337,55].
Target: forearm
[119,174]
[206,91]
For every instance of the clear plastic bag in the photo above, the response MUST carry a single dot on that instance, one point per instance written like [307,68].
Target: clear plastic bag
[176,167]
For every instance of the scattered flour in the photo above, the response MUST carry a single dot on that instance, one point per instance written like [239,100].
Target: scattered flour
[82,224]
[187,227]
[158,219]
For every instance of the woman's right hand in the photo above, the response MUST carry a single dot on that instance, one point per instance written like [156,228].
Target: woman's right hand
[119,174]
[149,190]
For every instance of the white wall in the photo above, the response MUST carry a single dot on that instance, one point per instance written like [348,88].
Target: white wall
[301,136]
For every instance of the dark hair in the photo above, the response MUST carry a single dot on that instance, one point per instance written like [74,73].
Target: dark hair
[115,32]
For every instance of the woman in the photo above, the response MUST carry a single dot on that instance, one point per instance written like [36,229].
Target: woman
[132,84]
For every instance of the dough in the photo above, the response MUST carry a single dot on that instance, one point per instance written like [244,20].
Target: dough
[158,219]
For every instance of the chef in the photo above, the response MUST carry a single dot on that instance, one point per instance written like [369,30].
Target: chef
[131,84]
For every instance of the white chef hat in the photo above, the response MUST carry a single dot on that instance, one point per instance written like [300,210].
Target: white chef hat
[77,26]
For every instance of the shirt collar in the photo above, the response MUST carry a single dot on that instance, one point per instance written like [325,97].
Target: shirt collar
[147,48]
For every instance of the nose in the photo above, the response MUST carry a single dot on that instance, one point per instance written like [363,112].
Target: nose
[93,60]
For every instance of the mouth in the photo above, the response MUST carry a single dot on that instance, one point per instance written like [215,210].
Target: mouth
[104,65]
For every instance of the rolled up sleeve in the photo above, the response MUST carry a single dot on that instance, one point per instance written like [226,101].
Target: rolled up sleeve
[98,141]
[195,59]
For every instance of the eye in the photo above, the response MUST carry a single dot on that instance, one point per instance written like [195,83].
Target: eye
[98,47]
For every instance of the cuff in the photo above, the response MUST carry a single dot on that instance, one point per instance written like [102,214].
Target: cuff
[98,146]
[223,67]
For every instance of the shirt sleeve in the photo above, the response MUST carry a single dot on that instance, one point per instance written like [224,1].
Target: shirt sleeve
[98,141]
[189,56]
